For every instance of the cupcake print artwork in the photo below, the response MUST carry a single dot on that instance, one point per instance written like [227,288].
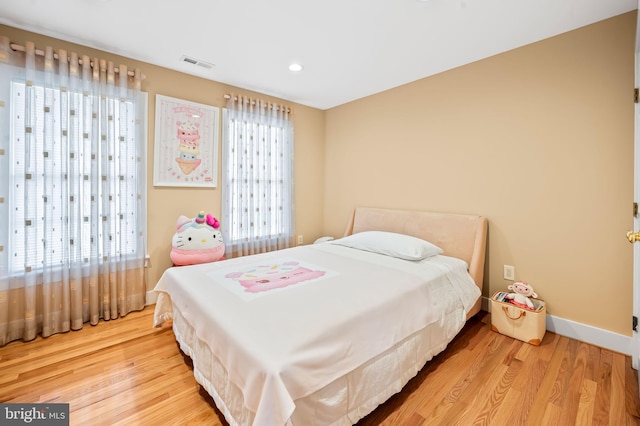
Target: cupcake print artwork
[186,143]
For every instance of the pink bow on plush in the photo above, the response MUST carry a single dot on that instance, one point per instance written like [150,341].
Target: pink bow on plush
[212,221]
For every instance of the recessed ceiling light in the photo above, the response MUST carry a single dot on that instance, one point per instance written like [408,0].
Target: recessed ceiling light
[295,67]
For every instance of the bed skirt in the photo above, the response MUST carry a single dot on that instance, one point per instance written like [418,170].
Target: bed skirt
[344,401]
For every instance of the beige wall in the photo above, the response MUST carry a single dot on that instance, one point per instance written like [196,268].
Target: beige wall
[539,140]
[166,204]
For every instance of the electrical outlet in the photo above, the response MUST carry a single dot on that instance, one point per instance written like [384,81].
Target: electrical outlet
[300,240]
[509,273]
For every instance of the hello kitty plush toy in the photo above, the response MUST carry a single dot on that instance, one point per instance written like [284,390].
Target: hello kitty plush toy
[521,294]
[197,240]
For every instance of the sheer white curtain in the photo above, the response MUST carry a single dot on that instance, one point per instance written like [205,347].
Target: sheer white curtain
[72,191]
[257,176]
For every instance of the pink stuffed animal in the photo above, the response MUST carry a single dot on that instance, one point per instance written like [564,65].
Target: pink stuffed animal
[521,294]
[197,240]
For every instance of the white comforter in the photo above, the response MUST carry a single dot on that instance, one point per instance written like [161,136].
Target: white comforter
[282,344]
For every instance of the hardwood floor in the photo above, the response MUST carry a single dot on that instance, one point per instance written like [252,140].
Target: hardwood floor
[125,372]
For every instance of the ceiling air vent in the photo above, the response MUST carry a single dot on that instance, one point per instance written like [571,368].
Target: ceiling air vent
[197,62]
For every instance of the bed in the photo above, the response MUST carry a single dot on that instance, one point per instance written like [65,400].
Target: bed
[324,333]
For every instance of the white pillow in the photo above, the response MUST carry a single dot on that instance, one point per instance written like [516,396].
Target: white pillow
[390,244]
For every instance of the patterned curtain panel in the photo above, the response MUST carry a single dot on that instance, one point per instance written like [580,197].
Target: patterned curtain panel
[257,177]
[72,192]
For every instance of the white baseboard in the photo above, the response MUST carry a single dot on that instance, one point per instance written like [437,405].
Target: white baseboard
[583,332]
[151,298]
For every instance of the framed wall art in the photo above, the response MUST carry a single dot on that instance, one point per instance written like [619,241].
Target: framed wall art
[186,143]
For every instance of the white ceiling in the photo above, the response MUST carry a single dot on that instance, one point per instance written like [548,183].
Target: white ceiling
[349,48]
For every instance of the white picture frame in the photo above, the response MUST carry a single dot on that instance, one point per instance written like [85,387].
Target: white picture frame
[185,143]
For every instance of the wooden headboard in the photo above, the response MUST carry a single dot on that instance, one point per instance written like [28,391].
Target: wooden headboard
[459,235]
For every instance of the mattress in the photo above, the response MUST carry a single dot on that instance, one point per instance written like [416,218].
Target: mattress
[390,321]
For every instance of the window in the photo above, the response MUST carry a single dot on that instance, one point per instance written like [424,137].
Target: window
[62,180]
[258,204]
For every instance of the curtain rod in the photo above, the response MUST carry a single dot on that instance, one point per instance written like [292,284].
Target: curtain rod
[19,48]
[253,102]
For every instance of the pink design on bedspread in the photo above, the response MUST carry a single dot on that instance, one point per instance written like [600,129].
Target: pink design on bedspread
[269,277]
